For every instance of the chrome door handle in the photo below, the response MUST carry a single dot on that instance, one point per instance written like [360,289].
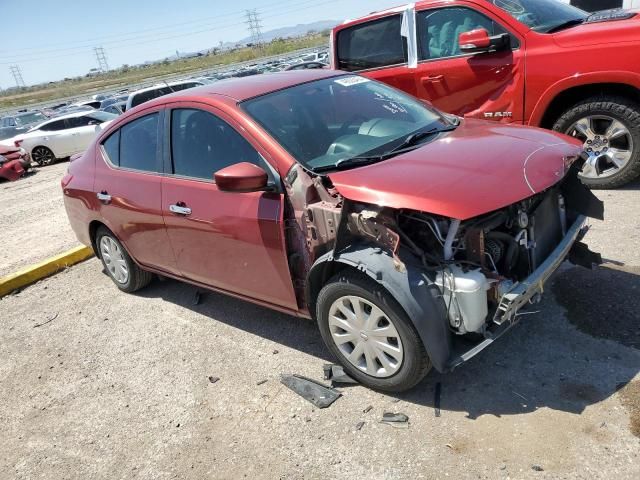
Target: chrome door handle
[180,210]
[103,197]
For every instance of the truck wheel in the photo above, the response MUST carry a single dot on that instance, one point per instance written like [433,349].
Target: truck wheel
[124,272]
[609,126]
[370,334]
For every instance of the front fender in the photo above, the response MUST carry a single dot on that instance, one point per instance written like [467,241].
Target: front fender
[409,286]
[579,80]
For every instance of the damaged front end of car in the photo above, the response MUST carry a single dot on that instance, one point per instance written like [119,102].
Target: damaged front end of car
[463,283]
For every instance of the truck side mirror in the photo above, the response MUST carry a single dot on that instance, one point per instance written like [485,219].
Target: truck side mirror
[479,41]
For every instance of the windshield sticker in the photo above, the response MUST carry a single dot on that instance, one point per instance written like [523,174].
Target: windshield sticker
[349,81]
[390,104]
[511,6]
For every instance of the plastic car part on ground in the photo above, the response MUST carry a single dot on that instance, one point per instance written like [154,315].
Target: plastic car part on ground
[317,393]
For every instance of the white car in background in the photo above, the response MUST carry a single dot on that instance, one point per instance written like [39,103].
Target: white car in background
[63,136]
[159,90]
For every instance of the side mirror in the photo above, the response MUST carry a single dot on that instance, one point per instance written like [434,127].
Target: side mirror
[241,177]
[479,41]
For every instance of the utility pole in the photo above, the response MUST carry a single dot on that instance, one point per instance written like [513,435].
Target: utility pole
[255,27]
[102,59]
[17,75]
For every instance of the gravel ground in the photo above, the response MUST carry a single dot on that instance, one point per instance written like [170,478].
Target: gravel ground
[99,384]
[33,222]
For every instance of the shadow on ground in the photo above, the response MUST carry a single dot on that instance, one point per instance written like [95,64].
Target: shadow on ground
[543,362]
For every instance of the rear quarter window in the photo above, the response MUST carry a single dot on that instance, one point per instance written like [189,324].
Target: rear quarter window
[112,147]
[373,44]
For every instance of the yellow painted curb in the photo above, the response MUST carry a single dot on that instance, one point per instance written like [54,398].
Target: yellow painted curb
[33,273]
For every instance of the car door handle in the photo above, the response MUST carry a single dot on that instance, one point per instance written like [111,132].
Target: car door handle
[103,197]
[180,209]
[432,78]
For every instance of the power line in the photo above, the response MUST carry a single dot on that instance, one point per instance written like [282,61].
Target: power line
[102,59]
[255,26]
[17,75]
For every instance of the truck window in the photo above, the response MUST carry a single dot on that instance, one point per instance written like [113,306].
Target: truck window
[372,45]
[439,29]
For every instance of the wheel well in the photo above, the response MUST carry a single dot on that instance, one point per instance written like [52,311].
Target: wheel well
[318,278]
[571,96]
[93,228]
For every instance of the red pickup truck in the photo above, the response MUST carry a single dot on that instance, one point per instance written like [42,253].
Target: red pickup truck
[534,62]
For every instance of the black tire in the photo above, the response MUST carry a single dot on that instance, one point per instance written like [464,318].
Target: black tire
[43,156]
[137,277]
[415,363]
[622,109]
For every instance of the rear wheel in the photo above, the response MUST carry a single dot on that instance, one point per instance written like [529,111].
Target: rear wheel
[43,156]
[370,334]
[609,128]
[124,272]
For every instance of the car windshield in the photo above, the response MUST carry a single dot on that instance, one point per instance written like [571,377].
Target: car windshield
[543,16]
[326,122]
[29,118]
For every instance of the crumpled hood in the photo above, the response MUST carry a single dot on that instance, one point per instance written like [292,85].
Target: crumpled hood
[477,168]
[611,31]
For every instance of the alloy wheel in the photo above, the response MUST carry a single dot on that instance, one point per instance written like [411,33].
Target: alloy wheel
[42,156]
[114,260]
[607,143]
[365,336]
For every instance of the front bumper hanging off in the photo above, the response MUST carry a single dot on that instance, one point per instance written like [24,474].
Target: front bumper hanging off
[521,294]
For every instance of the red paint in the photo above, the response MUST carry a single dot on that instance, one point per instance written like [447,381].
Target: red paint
[17,161]
[241,177]
[523,82]
[471,171]
[235,242]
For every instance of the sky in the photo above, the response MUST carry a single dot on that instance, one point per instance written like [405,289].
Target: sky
[53,39]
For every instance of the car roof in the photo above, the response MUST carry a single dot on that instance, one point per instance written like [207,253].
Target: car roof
[162,85]
[243,88]
[65,116]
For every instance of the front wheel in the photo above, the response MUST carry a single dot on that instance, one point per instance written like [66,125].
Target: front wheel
[43,156]
[370,334]
[609,128]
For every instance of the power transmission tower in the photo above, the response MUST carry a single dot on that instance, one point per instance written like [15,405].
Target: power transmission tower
[17,75]
[102,59]
[255,26]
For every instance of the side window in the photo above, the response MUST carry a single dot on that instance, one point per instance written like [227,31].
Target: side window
[75,122]
[112,147]
[372,45]
[138,144]
[54,126]
[202,144]
[439,29]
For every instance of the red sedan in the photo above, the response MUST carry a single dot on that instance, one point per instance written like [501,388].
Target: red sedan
[412,237]
[14,162]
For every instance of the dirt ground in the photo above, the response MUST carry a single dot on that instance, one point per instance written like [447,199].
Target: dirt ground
[33,222]
[99,384]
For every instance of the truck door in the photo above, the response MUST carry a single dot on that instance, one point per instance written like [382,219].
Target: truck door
[486,85]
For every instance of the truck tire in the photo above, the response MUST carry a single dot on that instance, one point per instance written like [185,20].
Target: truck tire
[370,334]
[609,126]
[120,267]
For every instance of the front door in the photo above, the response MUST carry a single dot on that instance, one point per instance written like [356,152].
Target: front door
[231,241]
[482,85]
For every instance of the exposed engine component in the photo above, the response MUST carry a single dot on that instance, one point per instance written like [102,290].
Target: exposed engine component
[465,294]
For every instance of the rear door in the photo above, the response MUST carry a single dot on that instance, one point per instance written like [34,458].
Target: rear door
[377,50]
[128,187]
[231,241]
[481,85]
[83,130]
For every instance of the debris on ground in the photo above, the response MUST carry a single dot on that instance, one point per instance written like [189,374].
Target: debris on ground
[368,409]
[436,399]
[318,394]
[398,420]
[214,379]
[537,468]
[49,320]
[262,382]
[336,374]
[275,352]
[630,395]
[359,426]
